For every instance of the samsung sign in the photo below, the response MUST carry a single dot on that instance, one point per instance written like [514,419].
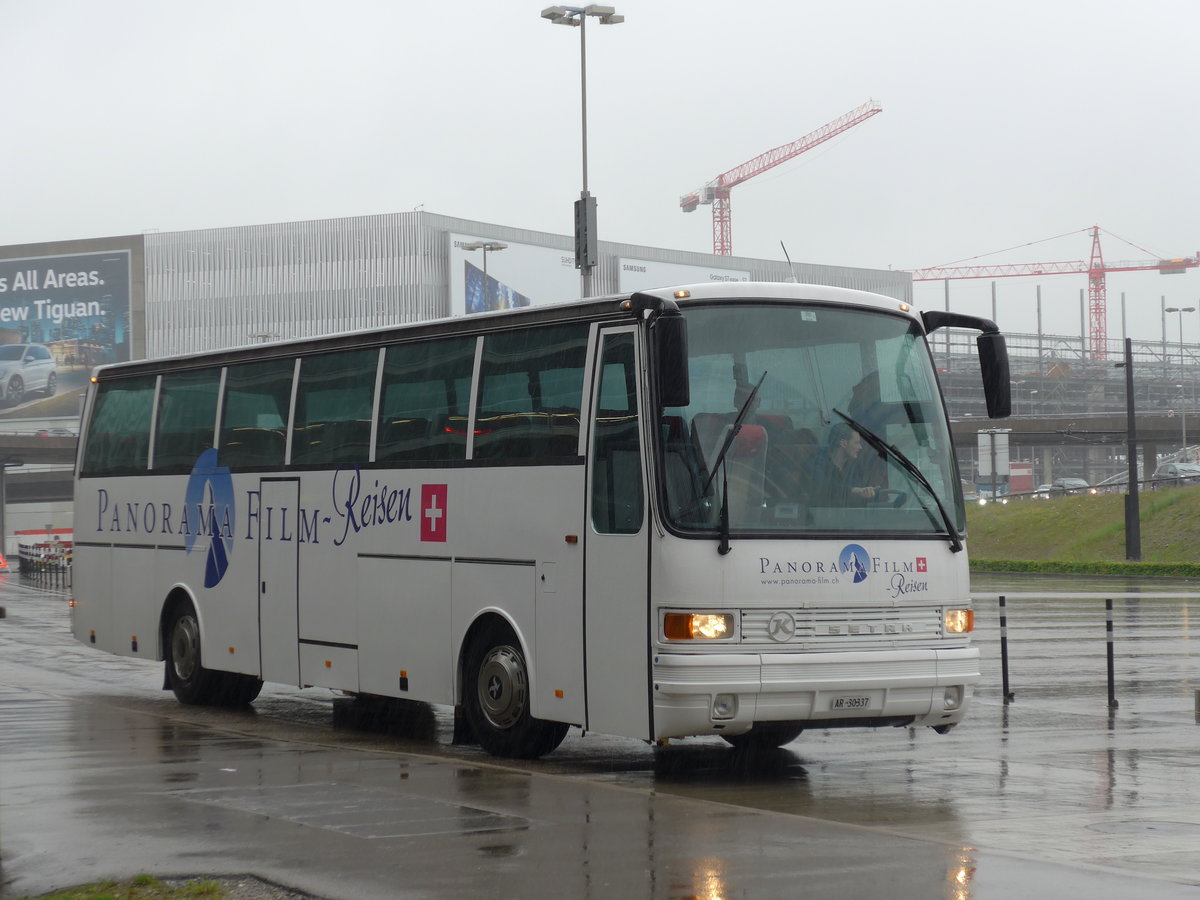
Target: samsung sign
[642,274]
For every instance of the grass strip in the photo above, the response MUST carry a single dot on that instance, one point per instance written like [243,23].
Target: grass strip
[142,887]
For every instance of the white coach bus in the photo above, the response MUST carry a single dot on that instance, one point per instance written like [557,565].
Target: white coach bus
[727,509]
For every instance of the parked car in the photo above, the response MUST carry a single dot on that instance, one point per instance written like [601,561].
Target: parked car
[1177,473]
[25,368]
[1073,486]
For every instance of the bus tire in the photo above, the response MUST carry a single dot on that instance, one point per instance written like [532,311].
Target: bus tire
[765,736]
[236,689]
[191,683]
[497,699]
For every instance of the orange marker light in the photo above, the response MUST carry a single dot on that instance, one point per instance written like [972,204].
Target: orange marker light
[959,621]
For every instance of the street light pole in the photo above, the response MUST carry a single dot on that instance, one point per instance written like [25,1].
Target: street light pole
[1181,310]
[1133,523]
[1183,423]
[487,247]
[586,242]
[1183,412]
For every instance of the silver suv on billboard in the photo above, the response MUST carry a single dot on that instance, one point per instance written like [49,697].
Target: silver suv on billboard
[25,368]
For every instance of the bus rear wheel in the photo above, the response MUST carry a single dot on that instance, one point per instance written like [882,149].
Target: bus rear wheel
[191,683]
[497,700]
[765,736]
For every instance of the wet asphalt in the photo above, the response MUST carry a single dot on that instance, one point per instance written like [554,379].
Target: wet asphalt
[103,775]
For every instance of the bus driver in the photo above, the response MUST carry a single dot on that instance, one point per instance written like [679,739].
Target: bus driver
[837,470]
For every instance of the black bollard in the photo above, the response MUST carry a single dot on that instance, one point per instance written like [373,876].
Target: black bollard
[1108,627]
[1008,695]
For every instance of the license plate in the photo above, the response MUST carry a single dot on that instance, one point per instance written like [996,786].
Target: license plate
[850,703]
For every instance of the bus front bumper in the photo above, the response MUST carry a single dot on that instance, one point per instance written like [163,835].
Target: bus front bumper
[727,693]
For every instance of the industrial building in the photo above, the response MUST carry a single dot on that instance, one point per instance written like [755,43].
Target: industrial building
[223,287]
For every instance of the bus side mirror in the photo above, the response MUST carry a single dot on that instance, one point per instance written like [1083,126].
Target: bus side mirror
[993,363]
[993,356]
[669,335]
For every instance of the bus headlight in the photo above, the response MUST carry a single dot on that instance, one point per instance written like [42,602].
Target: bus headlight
[697,626]
[959,621]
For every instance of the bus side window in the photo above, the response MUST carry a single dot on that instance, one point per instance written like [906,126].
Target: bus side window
[254,415]
[118,434]
[334,401]
[187,414]
[530,393]
[426,395]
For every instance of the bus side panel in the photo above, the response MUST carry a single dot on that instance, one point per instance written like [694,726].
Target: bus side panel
[92,614]
[137,604]
[529,517]
[560,693]
[228,611]
[404,645]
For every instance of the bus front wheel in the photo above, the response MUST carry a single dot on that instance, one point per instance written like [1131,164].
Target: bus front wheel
[191,682]
[497,699]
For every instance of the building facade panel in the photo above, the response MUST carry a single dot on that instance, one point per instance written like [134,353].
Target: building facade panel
[225,287]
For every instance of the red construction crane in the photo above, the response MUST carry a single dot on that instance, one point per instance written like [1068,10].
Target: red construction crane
[1095,269]
[716,191]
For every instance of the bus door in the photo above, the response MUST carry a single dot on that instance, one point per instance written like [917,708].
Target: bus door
[616,601]
[278,582]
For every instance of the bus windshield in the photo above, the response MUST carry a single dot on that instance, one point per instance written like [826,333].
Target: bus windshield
[820,390]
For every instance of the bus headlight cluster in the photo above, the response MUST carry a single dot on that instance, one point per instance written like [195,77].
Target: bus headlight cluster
[698,626]
[959,621]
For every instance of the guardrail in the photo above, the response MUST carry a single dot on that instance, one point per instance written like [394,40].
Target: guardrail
[1121,487]
[47,564]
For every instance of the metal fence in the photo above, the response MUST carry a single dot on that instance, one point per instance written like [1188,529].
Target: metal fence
[47,564]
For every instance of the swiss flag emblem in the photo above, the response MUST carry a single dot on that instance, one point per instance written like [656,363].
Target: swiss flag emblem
[922,566]
[433,513]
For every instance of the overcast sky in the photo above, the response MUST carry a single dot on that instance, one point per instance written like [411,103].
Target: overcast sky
[1003,124]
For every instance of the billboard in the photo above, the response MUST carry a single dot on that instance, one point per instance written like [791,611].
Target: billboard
[489,274]
[59,317]
[507,275]
[642,274]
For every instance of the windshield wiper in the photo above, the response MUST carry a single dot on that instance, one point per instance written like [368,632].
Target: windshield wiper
[883,448]
[719,462]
